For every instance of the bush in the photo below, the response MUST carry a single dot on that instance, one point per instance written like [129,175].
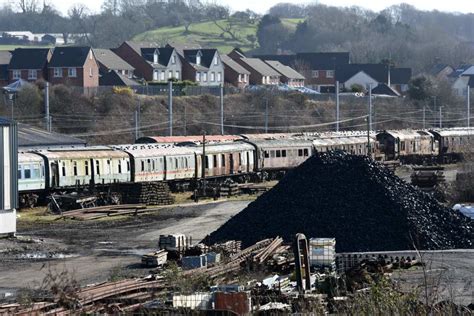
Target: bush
[122,91]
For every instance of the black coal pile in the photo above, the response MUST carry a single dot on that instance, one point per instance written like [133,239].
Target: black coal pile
[354,199]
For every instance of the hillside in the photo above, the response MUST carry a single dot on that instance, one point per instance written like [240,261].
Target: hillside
[207,34]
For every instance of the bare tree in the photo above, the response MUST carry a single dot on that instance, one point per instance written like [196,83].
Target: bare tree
[28,6]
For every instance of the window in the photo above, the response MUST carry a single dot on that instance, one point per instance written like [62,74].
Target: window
[162,75]
[63,169]
[36,172]
[75,168]
[19,172]
[198,76]
[219,77]
[120,167]
[402,146]
[155,57]
[330,74]
[32,74]
[216,61]
[86,168]
[223,160]
[16,74]
[204,76]
[198,60]
[278,153]
[91,73]
[315,74]
[143,165]
[97,167]
[283,153]
[306,152]
[173,59]
[240,78]
[170,74]
[128,165]
[214,161]
[27,172]
[300,152]
[58,72]
[206,165]
[266,154]
[176,74]
[155,75]
[213,77]
[71,72]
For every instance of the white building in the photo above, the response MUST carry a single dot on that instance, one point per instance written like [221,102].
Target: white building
[8,177]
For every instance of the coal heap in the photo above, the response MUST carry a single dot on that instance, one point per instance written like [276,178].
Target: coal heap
[354,199]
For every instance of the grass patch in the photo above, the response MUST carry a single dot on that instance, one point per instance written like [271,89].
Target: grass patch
[207,34]
[35,215]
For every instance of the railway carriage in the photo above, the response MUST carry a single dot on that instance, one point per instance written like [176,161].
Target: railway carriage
[80,167]
[31,178]
[453,142]
[407,145]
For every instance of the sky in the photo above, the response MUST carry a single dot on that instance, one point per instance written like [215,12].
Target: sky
[261,6]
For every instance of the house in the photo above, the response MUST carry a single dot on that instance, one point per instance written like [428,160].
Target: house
[367,75]
[317,68]
[289,76]
[5,57]
[75,66]
[151,62]
[235,74]
[203,66]
[440,71]
[115,78]
[385,90]
[260,72]
[29,64]
[461,79]
[109,61]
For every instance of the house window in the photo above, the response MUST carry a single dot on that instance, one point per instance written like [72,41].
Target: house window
[219,77]
[32,74]
[204,76]
[155,57]
[16,74]
[155,75]
[170,74]
[198,76]
[58,72]
[71,72]
[315,74]
[330,74]
[213,77]
[216,61]
[173,59]
[176,74]
[240,78]
[90,72]
[245,78]
[162,75]
[198,60]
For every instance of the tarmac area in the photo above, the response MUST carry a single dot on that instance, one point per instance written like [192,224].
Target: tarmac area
[97,251]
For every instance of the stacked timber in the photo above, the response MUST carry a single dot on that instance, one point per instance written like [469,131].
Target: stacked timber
[229,188]
[149,193]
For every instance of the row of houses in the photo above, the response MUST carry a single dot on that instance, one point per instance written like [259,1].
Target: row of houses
[134,63]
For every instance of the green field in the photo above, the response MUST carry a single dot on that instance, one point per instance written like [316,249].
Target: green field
[207,34]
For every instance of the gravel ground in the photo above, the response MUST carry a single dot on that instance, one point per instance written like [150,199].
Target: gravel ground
[96,251]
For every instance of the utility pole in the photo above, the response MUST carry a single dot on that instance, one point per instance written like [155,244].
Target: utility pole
[170,106]
[337,106]
[468,106]
[222,108]
[266,115]
[369,149]
[203,163]
[370,106]
[185,122]
[424,117]
[440,117]
[46,107]
[136,125]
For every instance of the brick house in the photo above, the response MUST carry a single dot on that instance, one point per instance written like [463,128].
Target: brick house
[317,68]
[203,66]
[151,62]
[260,72]
[75,66]
[235,74]
[5,57]
[289,76]
[29,64]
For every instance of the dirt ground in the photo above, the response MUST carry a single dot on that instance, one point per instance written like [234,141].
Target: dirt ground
[100,250]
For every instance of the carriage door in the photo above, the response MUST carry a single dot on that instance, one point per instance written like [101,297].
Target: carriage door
[92,181]
[54,174]
[231,160]
[248,162]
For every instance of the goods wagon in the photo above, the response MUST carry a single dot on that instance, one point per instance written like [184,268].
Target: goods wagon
[79,167]
[160,162]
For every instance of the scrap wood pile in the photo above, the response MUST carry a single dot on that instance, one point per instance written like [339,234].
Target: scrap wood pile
[131,294]
[105,211]
[354,199]
[149,193]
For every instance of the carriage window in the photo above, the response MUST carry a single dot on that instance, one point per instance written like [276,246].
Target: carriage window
[64,170]
[206,162]
[97,167]
[86,168]
[128,165]
[223,160]
[119,167]
[278,153]
[402,145]
[143,165]
[148,165]
[266,154]
[306,152]
[36,172]
[19,172]
[75,167]
[153,164]
[283,153]
[300,152]
[240,159]
[27,172]
[272,153]
[214,161]
[176,163]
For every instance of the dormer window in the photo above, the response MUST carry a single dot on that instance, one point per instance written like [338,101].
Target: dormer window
[155,57]
[173,59]
[198,59]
